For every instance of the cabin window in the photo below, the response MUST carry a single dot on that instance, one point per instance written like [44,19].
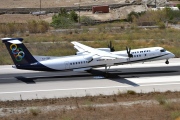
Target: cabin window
[162,50]
[70,63]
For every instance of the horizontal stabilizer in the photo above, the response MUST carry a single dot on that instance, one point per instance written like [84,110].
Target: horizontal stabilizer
[4,40]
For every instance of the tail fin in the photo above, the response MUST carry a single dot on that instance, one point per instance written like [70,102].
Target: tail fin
[19,53]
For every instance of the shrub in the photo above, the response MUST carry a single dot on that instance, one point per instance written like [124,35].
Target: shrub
[43,26]
[64,19]
[133,15]
[87,20]
[12,28]
[162,25]
[178,5]
[34,112]
[37,26]
[32,26]
[175,115]
[156,17]
[131,92]
[161,99]
[73,16]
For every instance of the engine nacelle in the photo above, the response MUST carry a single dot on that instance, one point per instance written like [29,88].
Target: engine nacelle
[105,49]
[89,58]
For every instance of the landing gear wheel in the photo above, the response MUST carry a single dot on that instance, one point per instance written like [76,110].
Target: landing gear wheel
[167,62]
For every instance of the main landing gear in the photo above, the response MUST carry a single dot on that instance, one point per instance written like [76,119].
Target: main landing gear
[106,71]
[167,62]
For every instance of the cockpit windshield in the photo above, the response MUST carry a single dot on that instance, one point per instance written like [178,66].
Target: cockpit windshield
[163,50]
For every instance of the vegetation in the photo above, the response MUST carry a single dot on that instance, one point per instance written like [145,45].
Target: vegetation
[64,19]
[134,38]
[121,34]
[178,5]
[149,18]
[32,26]
[87,20]
[123,106]
[34,112]
[37,26]
[131,92]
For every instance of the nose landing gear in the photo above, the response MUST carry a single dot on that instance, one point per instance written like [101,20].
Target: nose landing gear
[167,62]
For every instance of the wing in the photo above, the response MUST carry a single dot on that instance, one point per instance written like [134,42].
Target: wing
[95,52]
[81,48]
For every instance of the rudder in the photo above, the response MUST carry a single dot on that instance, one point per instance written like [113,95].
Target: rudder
[18,51]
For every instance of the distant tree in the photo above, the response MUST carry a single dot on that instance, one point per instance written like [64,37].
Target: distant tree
[132,15]
[73,16]
[64,19]
[63,12]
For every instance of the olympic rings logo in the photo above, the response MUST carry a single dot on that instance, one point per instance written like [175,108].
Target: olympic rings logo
[17,52]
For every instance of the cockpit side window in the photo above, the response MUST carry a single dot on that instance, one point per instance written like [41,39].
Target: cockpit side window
[163,50]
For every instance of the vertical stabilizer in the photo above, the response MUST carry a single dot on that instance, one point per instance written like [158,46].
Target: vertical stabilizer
[18,51]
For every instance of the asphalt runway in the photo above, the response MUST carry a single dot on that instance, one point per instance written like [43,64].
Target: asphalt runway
[147,77]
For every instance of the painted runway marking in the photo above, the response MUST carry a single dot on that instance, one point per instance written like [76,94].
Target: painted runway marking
[90,88]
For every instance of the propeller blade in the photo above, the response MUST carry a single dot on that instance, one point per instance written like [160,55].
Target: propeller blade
[111,47]
[129,52]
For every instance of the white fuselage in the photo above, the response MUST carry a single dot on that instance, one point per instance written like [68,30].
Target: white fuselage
[83,61]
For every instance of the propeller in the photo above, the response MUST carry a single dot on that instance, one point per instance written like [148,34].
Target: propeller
[129,52]
[111,47]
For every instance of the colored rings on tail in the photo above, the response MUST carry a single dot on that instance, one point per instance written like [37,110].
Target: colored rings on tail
[17,52]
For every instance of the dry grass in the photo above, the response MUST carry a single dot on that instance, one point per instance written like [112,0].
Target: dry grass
[137,112]
[141,111]
[59,43]
[121,37]
[21,18]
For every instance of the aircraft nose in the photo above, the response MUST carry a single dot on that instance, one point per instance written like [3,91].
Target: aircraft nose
[172,55]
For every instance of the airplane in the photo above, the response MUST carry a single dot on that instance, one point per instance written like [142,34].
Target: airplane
[86,58]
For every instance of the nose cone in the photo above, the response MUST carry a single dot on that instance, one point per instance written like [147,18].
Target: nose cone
[172,55]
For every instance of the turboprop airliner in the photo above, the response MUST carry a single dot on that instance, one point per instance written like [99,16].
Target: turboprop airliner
[85,59]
